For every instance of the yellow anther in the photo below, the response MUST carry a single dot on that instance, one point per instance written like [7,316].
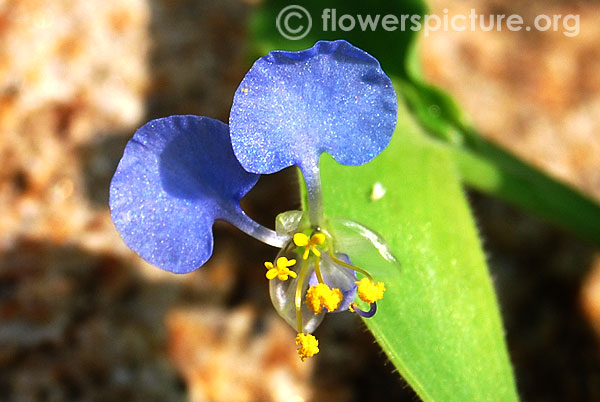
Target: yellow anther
[314,296]
[369,291]
[334,300]
[321,295]
[308,345]
[302,240]
[318,239]
[281,271]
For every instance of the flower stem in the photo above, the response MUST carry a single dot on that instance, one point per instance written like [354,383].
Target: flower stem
[312,179]
[239,219]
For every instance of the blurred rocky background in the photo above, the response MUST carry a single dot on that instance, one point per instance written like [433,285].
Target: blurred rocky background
[83,319]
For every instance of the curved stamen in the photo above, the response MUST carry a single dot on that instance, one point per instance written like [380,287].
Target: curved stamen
[298,298]
[350,266]
[318,270]
[365,314]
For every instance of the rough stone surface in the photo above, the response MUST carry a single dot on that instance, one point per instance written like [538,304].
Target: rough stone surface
[535,93]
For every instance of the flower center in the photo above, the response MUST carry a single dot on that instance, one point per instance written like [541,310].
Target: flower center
[321,280]
[309,243]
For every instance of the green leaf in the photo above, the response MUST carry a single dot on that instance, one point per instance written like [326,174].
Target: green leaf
[488,168]
[439,321]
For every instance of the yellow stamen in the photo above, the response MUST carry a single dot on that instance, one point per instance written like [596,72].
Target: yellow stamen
[281,271]
[302,240]
[306,251]
[333,300]
[308,345]
[298,297]
[318,239]
[321,295]
[369,291]
[314,295]
[349,266]
[318,270]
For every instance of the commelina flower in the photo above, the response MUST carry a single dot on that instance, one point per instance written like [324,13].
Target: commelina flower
[180,174]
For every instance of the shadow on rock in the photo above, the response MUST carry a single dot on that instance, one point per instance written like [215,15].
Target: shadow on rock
[81,326]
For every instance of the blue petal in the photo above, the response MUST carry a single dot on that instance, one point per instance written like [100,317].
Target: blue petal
[293,106]
[176,177]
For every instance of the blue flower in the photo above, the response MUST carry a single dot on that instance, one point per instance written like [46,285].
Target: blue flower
[181,173]
[293,106]
[176,177]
